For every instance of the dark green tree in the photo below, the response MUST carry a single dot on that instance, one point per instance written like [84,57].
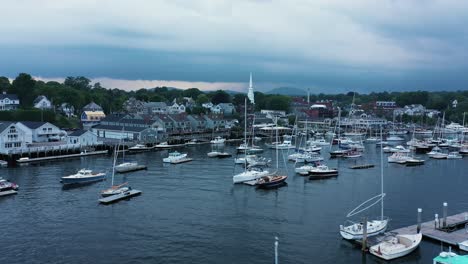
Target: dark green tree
[220,96]
[23,86]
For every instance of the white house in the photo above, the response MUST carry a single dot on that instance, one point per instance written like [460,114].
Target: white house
[175,108]
[40,131]
[41,102]
[8,101]
[84,138]
[12,137]
[208,105]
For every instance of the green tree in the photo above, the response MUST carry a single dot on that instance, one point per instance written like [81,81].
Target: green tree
[220,96]
[239,99]
[201,99]
[80,83]
[23,86]
[192,93]
[4,84]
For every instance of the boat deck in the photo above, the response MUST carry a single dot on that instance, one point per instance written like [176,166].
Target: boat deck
[118,197]
[9,192]
[454,233]
[181,161]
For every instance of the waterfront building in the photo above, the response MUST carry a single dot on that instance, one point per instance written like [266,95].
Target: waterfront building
[84,138]
[197,122]
[37,132]
[215,122]
[8,101]
[41,102]
[91,115]
[155,108]
[12,137]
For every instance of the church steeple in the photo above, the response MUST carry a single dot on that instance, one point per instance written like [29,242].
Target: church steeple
[250,94]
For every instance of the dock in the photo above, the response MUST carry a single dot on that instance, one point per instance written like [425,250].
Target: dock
[452,233]
[362,166]
[181,161]
[118,197]
[9,192]
[82,154]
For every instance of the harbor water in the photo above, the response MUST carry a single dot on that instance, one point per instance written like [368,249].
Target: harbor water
[192,213]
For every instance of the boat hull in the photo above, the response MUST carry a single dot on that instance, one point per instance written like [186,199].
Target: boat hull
[82,180]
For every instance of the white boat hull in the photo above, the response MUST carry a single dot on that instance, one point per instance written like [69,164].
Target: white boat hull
[405,245]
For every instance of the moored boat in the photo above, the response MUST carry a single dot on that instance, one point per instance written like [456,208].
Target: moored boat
[273,181]
[7,185]
[83,176]
[139,147]
[396,246]
[175,157]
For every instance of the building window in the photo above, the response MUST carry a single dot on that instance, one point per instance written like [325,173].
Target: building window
[17,144]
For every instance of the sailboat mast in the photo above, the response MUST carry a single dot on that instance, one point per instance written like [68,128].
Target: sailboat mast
[381,176]
[277,162]
[245,120]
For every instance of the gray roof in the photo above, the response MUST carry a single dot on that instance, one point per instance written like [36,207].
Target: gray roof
[32,124]
[92,107]
[120,128]
[156,104]
[39,98]
[9,96]
[4,125]
[77,133]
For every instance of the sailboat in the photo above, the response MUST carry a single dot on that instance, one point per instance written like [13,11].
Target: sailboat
[413,161]
[127,166]
[251,173]
[115,189]
[352,230]
[273,180]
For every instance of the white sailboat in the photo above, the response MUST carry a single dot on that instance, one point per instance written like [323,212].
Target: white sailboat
[351,230]
[115,189]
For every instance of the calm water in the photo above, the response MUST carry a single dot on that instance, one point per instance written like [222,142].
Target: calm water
[192,213]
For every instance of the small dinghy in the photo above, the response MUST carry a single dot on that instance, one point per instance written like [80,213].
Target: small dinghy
[396,246]
[268,182]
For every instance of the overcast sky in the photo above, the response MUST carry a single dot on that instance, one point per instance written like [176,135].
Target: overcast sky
[327,45]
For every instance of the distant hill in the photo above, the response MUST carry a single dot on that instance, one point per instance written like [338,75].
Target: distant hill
[288,91]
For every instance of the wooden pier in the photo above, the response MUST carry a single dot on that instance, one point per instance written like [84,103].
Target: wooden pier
[48,158]
[452,233]
[362,166]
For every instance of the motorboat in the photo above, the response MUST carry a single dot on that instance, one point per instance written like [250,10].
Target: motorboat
[338,153]
[175,157]
[398,157]
[463,245]
[454,155]
[140,147]
[302,157]
[83,176]
[414,162]
[397,132]
[250,174]
[192,142]
[352,154]
[436,153]
[242,148]
[354,231]
[318,142]
[218,140]
[399,149]
[3,163]
[286,144]
[304,170]
[394,138]
[163,145]
[273,181]
[372,139]
[128,166]
[7,185]
[213,154]
[322,171]
[450,258]
[396,246]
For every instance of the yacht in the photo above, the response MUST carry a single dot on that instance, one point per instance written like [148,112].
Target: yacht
[323,170]
[436,153]
[454,155]
[250,174]
[394,138]
[175,157]
[286,144]
[128,166]
[318,142]
[115,189]
[372,139]
[163,145]
[398,157]
[305,157]
[83,176]
[218,140]
[304,170]
[140,147]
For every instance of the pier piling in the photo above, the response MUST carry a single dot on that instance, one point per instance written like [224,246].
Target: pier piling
[444,223]
[276,250]
[436,221]
[364,234]
[419,220]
